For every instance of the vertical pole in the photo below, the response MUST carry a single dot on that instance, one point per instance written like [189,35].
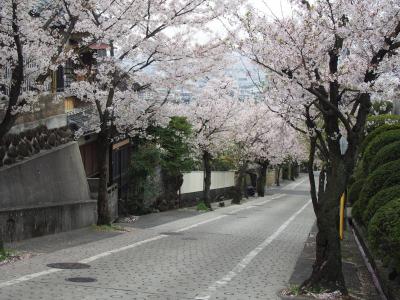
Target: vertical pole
[342,205]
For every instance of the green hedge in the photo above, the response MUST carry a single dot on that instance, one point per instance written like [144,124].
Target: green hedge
[380,199]
[372,135]
[373,184]
[384,233]
[386,154]
[392,180]
[381,107]
[355,189]
[374,122]
[376,144]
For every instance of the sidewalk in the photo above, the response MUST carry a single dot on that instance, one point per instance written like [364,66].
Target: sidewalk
[357,277]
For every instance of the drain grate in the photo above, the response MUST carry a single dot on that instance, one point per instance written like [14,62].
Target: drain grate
[68,266]
[171,233]
[189,239]
[81,279]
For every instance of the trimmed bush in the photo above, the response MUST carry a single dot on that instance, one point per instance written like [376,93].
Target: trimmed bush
[373,184]
[393,180]
[381,107]
[376,144]
[375,133]
[358,170]
[374,122]
[379,200]
[384,233]
[357,211]
[355,189]
[387,154]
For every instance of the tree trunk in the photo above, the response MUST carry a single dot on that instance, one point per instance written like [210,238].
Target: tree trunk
[172,182]
[2,250]
[103,151]
[292,171]
[207,179]
[262,178]
[278,175]
[295,170]
[17,77]
[327,268]
[134,203]
[238,194]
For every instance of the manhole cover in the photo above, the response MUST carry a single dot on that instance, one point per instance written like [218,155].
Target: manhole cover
[171,233]
[67,266]
[81,279]
[189,239]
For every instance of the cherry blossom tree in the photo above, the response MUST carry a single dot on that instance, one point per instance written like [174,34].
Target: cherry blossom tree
[256,136]
[33,39]
[152,47]
[325,63]
[211,113]
[265,139]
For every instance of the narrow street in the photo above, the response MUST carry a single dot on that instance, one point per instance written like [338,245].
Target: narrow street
[237,252]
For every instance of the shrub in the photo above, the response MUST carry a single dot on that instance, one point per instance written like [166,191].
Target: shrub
[373,184]
[393,180]
[352,179]
[375,133]
[201,206]
[358,170]
[384,233]
[355,190]
[223,163]
[374,122]
[387,154]
[357,211]
[380,199]
[376,144]
[381,107]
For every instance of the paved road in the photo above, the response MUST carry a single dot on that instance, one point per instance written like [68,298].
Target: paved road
[238,252]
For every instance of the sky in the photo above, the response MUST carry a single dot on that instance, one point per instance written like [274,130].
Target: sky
[278,8]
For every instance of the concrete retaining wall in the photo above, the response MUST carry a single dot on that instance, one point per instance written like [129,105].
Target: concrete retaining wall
[44,194]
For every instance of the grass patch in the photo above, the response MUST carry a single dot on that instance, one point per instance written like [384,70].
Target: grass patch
[293,290]
[5,254]
[314,293]
[201,206]
[108,228]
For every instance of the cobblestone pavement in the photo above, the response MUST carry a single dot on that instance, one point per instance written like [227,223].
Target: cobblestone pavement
[239,252]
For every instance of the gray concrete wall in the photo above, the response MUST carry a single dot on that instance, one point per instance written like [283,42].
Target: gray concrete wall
[44,194]
[50,177]
[20,224]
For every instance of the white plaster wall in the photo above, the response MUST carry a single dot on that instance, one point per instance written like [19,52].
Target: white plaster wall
[193,181]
